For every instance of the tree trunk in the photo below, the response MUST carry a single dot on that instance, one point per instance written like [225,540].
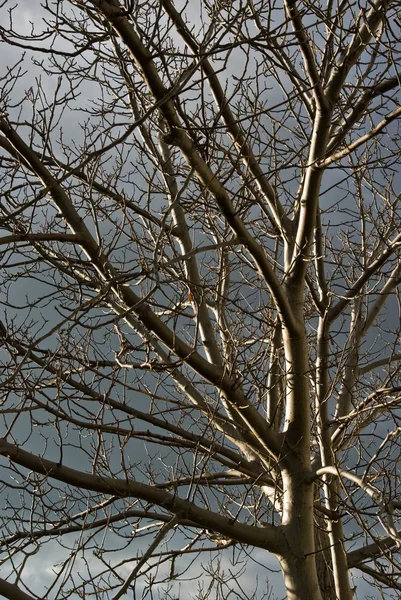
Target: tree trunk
[300,578]
[299,563]
[323,560]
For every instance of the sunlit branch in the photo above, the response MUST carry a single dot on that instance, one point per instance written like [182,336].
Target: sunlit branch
[135,572]
[370,551]
[385,508]
[349,148]
[358,110]
[382,362]
[388,580]
[209,341]
[178,137]
[365,30]
[372,268]
[233,128]
[306,50]
[269,538]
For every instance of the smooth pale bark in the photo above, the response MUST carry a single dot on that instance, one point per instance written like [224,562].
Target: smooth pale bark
[300,578]
[299,563]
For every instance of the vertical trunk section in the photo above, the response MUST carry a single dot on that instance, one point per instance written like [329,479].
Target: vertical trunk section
[324,565]
[299,561]
[300,579]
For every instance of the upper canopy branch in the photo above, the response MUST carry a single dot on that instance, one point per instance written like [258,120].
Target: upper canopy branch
[143,59]
[235,131]
[349,148]
[358,111]
[304,43]
[370,269]
[366,27]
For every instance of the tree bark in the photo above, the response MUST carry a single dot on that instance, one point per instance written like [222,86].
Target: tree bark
[323,560]
[300,578]
[298,563]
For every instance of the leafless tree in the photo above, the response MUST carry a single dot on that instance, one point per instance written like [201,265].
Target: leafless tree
[200,322]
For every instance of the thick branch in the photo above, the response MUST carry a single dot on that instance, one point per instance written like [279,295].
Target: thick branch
[309,201]
[270,538]
[355,557]
[372,406]
[13,592]
[358,110]
[41,237]
[388,581]
[382,362]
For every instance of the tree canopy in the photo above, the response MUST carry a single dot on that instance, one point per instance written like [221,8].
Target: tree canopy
[200,308]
